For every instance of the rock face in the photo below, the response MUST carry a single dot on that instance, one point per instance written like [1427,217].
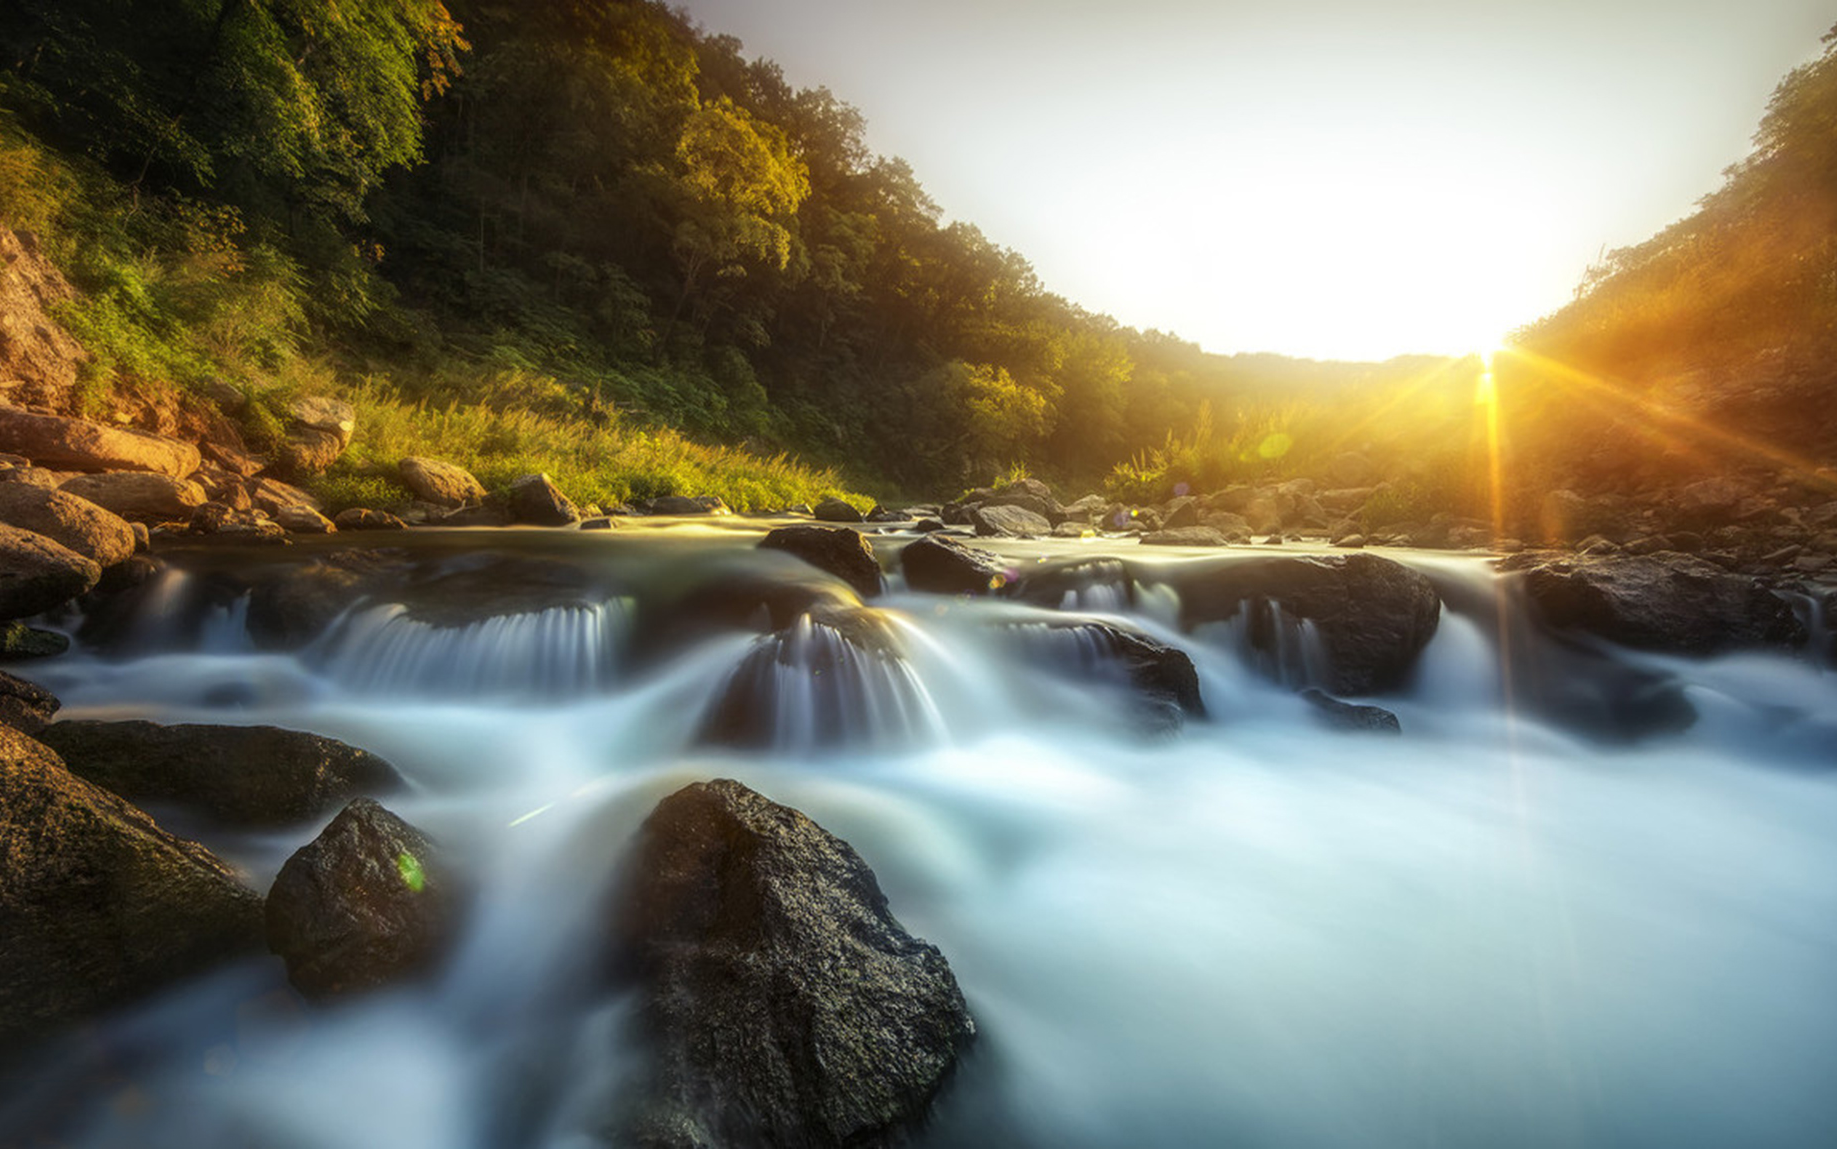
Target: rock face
[1665,602]
[1373,615]
[80,445]
[97,904]
[240,775]
[838,550]
[77,524]
[536,500]
[363,905]
[25,706]
[836,511]
[941,564]
[142,496]
[38,358]
[443,484]
[37,574]
[784,1004]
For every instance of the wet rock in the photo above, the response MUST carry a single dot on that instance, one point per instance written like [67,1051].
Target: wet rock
[535,500]
[684,505]
[598,523]
[1105,585]
[836,511]
[443,484]
[139,495]
[1185,537]
[240,775]
[25,706]
[98,905]
[364,905]
[1351,716]
[19,642]
[490,513]
[297,606]
[37,574]
[1161,678]
[300,520]
[1373,615]
[939,564]
[1665,602]
[882,514]
[838,550]
[74,523]
[783,1003]
[1027,495]
[1008,522]
[80,445]
[366,519]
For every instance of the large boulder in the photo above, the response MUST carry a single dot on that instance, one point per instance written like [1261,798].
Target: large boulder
[838,550]
[539,502]
[239,775]
[75,523]
[326,415]
[1008,522]
[364,905]
[1664,602]
[37,574]
[271,495]
[307,451]
[98,905]
[941,564]
[143,496]
[783,1003]
[1373,615]
[79,445]
[443,484]
[836,511]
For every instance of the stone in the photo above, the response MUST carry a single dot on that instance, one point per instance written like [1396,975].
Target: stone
[37,574]
[366,904]
[365,519]
[443,484]
[139,495]
[838,550]
[836,511]
[1161,677]
[271,495]
[245,776]
[1351,716]
[25,706]
[98,905]
[1185,537]
[683,505]
[781,1002]
[75,523]
[534,499]
[321,413]
[940,564]
[1008,522]
[301,520]
[33,476]
[297,606]
[19,642]
[79,445]
[1668,602]
[306,452]
[598,523]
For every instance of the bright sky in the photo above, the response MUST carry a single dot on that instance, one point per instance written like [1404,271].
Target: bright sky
[1327,178]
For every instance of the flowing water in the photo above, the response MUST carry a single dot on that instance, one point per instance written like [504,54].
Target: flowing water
[1518,924]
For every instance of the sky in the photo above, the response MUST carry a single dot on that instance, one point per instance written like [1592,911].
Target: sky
[1323,178]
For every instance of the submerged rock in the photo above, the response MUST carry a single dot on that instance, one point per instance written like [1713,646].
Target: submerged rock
[364,905]
[838,550]
[1161,677]
[240,775]
[98,905]
[783,1003]
[1351,716]
[940,564]
[1666,602]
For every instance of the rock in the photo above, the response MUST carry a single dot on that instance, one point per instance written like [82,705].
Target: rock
[1185,537]
[34,476]
[1086,509]
[1161,676]
[271,495]
[1351,541]
[1181,512]
[490,513]
[19,641]
[39,361]
[364,905]
[1711,502]
[25,706]
[882,514]
[838,550]
[1350,716]
[1008,522]
[306,452]
[1664,602]
[782,1002]
[329,416]
[1232,526]
[37,574]
[248,776]
[98,905]
[600,523]
[365,519]
[80,445]
[291,610]
[139,495]
[443,484]
[1027,498]
[939,564]
[1373,616]
[74,523]
[303,521]
[539,502]
[681,505]
[1101,585]
[927,526]
[836,511]
[1351,469]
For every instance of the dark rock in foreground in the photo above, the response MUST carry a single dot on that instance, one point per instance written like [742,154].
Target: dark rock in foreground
[783,1003]
[19,641]
[940,564]
[240,775]
[1666,602]
[25,706]
[364,905]
[1351,716]
[838,550]
[98,905]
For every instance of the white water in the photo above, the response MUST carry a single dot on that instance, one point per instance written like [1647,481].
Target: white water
[1490,931]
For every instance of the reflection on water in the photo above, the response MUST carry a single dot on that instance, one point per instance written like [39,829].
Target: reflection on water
[1494,930]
